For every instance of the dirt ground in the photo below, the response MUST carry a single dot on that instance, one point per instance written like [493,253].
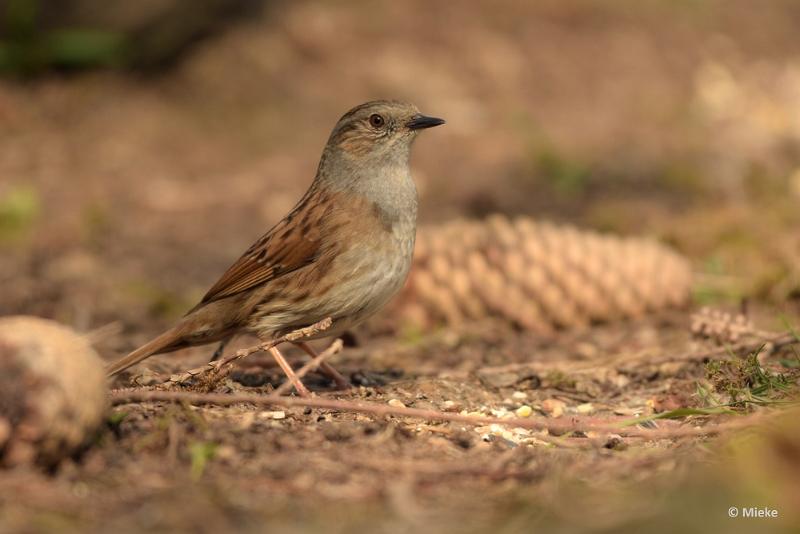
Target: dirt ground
[167,467]
[123,196]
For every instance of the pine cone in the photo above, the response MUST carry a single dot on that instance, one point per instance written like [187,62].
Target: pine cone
[52,391]
[721,326]
[539,276]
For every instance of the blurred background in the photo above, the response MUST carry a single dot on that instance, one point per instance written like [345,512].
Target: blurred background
[144,145]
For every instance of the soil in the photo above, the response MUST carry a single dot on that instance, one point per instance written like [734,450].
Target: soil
[205,468]
[124,195]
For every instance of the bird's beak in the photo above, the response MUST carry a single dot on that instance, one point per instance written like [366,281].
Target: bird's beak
[418,122]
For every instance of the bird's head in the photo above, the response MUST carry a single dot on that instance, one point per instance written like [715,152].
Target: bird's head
[379,130]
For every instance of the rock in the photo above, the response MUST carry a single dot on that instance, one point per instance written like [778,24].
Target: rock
[553,407]
[524,411]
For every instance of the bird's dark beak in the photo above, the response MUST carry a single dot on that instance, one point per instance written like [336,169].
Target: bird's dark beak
[418,122]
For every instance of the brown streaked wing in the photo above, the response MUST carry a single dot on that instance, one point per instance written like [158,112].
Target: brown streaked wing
[291,244]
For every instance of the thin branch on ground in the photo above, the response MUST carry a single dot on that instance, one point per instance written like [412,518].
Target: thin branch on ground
[556,427]
[223,364]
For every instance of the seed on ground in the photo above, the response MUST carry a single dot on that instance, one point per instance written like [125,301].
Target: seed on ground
[524,411]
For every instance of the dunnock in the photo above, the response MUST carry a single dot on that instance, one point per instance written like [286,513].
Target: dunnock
[342,252]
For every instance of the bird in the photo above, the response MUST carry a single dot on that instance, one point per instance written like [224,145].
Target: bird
[342,252]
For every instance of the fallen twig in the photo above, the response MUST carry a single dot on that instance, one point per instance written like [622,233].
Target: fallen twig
[217,366]
[557,427]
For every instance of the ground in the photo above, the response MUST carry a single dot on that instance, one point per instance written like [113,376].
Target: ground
[123,196]
[177,466]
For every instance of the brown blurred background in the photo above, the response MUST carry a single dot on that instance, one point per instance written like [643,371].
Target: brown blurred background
[145,145]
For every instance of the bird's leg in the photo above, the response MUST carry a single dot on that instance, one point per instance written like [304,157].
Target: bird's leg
[290,374]
[220,349]
[325,368]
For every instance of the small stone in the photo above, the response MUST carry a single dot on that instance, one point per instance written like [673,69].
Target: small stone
[524,411]
[396,403]
[519,395]
[494,428]
[463,439]
[450,406]
[272,415]
[553,407]
[585,408]
[615,442]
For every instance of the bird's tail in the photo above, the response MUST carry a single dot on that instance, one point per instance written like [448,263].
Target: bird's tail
[166,342]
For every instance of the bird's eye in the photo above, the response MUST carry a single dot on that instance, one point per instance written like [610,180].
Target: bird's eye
[376,121]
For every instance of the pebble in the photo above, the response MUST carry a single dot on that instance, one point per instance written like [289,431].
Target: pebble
[553,407]
[396,403]
[585,408]
[450,406]
[524,411]
[512,437]
[273,415]
[519,395]
[615,442]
